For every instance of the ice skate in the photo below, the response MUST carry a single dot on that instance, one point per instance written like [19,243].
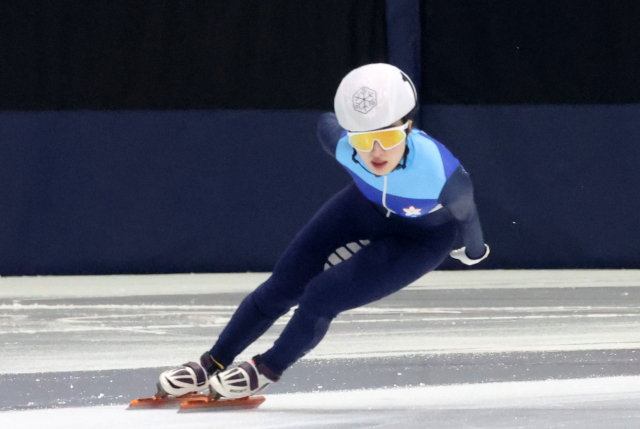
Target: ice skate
[192,377]
[189,387]
[234,388]
[244,380]
[181,384]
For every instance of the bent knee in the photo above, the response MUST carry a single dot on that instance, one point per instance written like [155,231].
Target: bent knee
[271,302]
[320,308]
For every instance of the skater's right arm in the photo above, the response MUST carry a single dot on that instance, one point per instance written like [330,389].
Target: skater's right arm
[329,132]
[457,197]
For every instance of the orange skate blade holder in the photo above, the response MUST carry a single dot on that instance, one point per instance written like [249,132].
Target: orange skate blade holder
[222,404]
[166,402]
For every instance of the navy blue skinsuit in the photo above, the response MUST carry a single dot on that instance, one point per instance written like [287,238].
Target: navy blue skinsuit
[410,217]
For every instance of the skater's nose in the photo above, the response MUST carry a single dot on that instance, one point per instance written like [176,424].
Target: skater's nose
[377,150]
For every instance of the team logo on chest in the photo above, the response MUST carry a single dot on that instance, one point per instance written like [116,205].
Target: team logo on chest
[412,211]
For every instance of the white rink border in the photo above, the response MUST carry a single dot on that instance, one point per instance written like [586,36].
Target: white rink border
[196,284]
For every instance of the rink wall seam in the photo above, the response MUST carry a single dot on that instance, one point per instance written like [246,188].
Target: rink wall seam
[195,284]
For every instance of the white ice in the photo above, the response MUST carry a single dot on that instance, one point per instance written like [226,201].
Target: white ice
[539,404]
[100,333]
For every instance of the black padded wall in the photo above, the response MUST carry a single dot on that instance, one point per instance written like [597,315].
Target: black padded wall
[530,51]
[179,136]
[244,54]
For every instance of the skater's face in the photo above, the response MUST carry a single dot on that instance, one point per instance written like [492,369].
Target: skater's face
[383,161]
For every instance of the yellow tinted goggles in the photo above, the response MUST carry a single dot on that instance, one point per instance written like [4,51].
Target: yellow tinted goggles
[388,138]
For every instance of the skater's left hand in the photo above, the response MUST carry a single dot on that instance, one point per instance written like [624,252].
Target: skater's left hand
[461,255]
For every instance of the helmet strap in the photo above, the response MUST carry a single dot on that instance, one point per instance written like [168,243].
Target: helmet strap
[353,158]
[404,159]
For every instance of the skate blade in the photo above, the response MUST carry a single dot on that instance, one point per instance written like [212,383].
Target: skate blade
[166,402]
[221,404]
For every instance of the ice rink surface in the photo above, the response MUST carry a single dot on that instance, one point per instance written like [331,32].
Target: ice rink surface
[468,349]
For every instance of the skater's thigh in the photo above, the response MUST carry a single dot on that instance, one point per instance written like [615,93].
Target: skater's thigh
[345,218]
[383,267]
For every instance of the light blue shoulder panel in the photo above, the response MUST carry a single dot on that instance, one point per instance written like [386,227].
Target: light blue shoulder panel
[423,178]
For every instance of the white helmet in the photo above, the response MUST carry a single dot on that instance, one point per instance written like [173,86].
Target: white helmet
[374,96]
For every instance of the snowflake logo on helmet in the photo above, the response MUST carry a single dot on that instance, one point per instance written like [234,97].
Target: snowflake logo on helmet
[364,100]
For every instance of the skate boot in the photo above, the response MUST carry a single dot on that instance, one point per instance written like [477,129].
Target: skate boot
[243,380]
[189,378]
